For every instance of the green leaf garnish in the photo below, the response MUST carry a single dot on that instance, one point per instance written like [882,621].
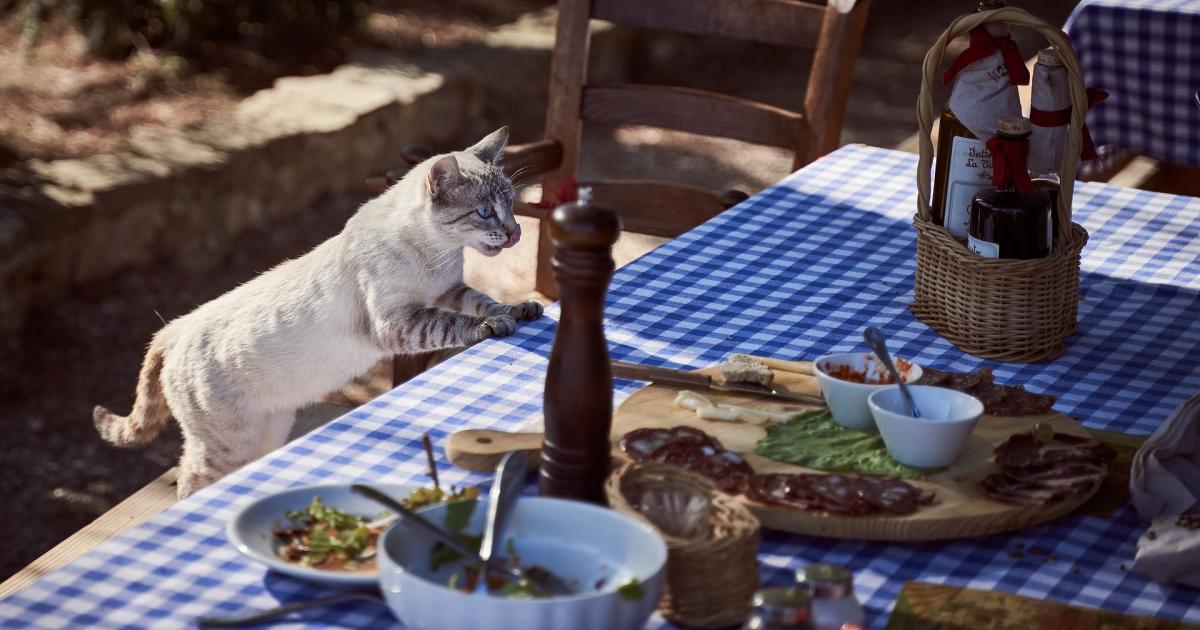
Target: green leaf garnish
[632,590]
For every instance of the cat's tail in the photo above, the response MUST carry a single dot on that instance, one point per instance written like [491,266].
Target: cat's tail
[150,410]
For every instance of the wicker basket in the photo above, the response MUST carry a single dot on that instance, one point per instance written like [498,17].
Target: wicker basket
[1004,309]
[710,580]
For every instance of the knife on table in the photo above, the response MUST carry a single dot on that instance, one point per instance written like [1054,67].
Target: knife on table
[682,378]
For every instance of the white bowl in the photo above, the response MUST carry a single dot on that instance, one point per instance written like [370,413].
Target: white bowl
[936,438]
[847,400]
[596,548]
[252,529]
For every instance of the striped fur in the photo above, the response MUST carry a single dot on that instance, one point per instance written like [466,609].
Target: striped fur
[233,371]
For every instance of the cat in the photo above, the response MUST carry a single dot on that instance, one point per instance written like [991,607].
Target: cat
[233,372]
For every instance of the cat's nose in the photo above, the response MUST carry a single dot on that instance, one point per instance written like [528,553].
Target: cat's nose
[513,237]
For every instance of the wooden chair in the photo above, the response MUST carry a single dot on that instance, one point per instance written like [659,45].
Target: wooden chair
[663,208]
[667,209]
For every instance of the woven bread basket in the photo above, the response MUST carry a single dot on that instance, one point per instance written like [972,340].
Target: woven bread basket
[710,580]
[1003,309]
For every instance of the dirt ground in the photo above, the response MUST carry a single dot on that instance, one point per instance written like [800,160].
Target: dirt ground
[86,349]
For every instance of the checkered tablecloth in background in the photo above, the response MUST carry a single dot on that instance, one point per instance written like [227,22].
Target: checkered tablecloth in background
[1146,55]
[795,272]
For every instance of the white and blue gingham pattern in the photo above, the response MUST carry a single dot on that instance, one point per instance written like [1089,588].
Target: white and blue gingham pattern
[795,272]
[1146,55]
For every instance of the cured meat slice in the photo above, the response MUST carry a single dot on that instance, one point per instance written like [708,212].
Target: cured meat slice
[961,381]
[728,470]
[839,494]
[1020,402]
[790,491]
[1033,472]
[997,399]
[892,495]
[1011,489]
[1024,450]
[640,443]
[849,495]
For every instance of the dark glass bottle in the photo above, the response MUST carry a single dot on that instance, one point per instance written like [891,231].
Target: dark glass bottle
[1011,219]
[962,164]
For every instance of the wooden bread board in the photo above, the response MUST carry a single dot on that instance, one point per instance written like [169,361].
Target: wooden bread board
[959,509]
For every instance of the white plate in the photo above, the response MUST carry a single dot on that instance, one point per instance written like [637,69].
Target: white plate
[251,529]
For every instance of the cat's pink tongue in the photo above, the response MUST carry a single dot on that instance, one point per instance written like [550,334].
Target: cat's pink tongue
[512,238]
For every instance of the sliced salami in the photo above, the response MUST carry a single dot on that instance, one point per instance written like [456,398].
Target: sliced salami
[640,443]
[728,470]
[892,495]
[790,491]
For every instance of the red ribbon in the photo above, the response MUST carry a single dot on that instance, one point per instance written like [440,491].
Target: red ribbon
[568,190]
[1061,117]
[1008,163]
[984,44]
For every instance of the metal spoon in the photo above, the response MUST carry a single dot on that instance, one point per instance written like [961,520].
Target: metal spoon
[254,617]
[506,487]
[878,344]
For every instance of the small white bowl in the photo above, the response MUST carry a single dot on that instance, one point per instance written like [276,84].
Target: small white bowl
[936,438]
[252,529]
[596,548]
[847,400]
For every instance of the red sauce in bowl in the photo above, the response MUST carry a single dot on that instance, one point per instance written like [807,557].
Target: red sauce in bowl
[878,376]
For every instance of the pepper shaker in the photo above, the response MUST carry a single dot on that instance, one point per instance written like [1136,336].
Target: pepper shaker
[576,454]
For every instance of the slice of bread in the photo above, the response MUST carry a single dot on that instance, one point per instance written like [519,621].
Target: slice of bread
[740,368]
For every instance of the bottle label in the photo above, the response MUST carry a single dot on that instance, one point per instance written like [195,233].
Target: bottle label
[983,248]
[970,172]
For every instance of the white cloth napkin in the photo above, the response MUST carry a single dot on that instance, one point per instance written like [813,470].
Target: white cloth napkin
[1164,483]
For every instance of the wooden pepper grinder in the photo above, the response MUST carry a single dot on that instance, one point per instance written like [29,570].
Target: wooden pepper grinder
[578,399]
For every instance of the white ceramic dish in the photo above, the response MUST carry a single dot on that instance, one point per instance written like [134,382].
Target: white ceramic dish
[936,438]
[597,548]
[251,529]
[847,400]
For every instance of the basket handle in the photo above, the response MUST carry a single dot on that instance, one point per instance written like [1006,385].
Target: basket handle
[1012,16]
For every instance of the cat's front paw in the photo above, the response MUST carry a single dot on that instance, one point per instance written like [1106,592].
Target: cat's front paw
[495,326]
[526,311]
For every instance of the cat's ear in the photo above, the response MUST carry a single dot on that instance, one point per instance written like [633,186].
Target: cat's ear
[442,175]
[488,150]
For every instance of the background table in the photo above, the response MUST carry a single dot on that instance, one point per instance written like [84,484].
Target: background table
[1146,55]
[795,272]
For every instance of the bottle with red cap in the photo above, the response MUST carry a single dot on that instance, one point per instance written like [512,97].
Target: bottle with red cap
[1012,218]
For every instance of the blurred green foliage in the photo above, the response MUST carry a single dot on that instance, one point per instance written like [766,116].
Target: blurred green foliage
[116,28]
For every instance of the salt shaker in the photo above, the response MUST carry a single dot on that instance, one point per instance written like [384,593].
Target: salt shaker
[780,608]
[832,590]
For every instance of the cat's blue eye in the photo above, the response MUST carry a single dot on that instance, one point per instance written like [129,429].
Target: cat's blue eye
[484,212]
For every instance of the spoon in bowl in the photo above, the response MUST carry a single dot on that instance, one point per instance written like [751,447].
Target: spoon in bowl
[506,487]
[544,579]
[878,344]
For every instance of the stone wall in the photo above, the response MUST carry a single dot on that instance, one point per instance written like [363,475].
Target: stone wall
[182,196]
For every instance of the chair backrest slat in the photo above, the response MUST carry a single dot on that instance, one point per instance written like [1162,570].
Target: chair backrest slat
[780,22]
[656,207]
[695,111]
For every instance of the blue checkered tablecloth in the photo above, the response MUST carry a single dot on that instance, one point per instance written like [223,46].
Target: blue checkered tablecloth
[1146,55]
[797,271]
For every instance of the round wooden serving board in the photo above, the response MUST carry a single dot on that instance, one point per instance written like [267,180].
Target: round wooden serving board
[959,509]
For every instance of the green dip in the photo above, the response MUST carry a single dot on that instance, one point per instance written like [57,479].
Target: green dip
[814,440]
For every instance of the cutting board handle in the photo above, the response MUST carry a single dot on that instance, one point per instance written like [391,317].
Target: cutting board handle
[481,450]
